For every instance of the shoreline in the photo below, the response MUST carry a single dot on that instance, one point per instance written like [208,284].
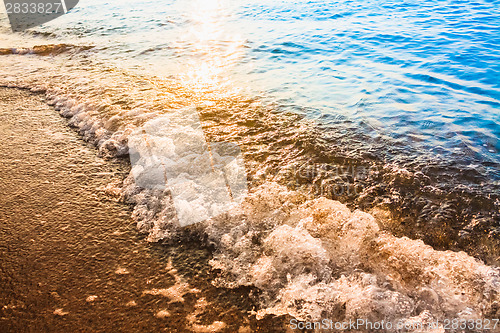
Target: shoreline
[71,256]
[372,168]
[433,204]
[309,245]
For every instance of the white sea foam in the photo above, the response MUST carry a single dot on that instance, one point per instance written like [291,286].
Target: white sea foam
[316,259]
[204,179]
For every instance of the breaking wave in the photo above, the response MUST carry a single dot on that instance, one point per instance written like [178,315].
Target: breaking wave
[318,259]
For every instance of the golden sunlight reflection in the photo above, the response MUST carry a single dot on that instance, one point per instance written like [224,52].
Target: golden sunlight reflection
[215,50]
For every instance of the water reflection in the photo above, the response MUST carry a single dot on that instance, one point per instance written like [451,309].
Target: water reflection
[214,48]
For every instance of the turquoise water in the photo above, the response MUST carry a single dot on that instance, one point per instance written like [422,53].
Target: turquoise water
[422,73]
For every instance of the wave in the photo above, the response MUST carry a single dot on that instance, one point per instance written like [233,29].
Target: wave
[317,259]
[45,50]
[311,256]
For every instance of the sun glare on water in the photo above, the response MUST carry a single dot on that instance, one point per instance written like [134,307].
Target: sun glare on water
[215,48]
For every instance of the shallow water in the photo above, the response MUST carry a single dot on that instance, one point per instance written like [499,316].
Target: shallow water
[421,73]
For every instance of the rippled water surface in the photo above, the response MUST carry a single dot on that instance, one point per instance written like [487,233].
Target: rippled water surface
[421,73]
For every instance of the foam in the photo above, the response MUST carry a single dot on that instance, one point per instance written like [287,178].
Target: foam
[316,259]
[204,179]
[193,321]
[176,292]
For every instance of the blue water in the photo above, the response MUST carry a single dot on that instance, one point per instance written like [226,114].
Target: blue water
[420,74]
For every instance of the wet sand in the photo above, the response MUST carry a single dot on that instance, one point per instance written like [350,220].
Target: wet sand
[71,259]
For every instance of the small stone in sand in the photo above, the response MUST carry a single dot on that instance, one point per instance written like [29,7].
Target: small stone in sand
[131,303]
